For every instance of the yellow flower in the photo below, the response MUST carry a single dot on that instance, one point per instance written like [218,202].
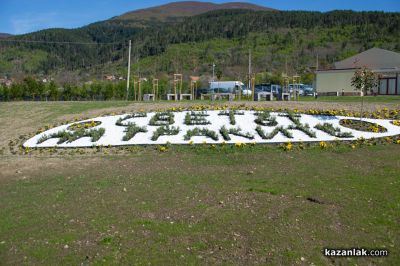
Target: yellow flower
[238,145]
[162,149]
[398,141]
[323,145]
[288,146]
[353,146]
[191,142]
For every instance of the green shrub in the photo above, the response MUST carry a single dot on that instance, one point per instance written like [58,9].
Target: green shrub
[68,137]
[234,131]
[196,118]
[362,125]
[231,115]
[162,119]
[201,132]
[335,132]
[305,128]
[265,119]
[133,115]
[131,130]
[276,130]
[165,131]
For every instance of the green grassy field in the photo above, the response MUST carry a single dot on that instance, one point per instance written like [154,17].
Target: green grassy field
[192,205]
[370,99]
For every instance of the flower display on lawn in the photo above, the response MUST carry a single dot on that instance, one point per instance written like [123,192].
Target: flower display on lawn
[202,124]
[396,122]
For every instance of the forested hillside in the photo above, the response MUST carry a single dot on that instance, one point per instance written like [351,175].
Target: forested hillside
[278,40]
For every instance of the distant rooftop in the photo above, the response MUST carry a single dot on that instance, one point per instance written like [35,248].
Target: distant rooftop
[374,58]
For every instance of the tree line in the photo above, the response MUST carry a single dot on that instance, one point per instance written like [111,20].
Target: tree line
[107,40]
[30,89]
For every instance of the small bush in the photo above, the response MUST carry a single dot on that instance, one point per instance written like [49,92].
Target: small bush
[131,130]
[234,131]
[165,131]
[162,119]
[362,125]
[265,119]
[231,114]
[271,135]
[68,137]
[331,130]
[196,118]
[201,132]
[134,115]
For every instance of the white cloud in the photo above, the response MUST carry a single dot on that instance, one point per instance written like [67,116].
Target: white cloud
[31,22]
[37,21]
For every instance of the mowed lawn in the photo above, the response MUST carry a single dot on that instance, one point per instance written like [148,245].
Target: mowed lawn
[193,205]
[370,99]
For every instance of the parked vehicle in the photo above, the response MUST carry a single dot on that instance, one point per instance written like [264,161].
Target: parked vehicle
[229,87]
[304,89]
[201,91]
[308,90]
[267,87]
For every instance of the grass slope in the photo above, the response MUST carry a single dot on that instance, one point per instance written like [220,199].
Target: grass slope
[115,209]
[192,205]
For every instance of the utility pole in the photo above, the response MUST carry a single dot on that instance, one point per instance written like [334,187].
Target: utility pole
[129,70]
[249,69]
[286,66]
[317,64]
[213,76]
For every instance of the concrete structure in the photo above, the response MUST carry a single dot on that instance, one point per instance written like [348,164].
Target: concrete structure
[204,96]
[172,97]
[220,96]
[337,81]
[184,96]
[267,95]
[149,97]
[285,96]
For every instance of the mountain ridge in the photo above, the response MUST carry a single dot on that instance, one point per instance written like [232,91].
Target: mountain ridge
[4,35]
[189,44]
[185,9]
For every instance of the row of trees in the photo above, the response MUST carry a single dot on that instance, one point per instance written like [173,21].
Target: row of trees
[31,89]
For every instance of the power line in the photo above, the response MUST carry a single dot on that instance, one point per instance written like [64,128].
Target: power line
[55,42]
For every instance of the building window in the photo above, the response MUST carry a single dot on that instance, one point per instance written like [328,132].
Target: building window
[388,86]
[382,86]
[392,86]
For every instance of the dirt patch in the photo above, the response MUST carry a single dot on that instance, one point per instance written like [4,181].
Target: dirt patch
[314,200]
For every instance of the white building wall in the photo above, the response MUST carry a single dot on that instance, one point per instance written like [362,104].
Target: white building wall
[334,81]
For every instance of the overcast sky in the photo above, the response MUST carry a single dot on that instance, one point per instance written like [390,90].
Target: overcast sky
[22,16]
